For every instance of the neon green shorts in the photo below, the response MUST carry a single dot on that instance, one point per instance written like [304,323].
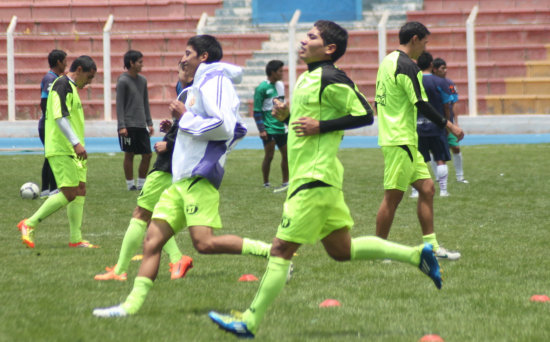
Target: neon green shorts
[189,202]
[452,139]
[68,170]
[155,183]
[311,214]
[403,166]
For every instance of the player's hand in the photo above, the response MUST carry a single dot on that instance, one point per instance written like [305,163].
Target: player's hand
[123,132]
[160,147]
[280,110]
[151,130]
[457,131]
[263,135]
[80,151]
[305,126]
[177,107]
[165,126]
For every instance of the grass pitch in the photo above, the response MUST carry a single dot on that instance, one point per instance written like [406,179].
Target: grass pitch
[499,222]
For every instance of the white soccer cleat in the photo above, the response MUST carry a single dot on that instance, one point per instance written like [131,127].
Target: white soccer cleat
[444,194]
[443,253]
[113,311]
[414,193]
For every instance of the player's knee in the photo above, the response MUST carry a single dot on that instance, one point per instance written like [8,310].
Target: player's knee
[204,246]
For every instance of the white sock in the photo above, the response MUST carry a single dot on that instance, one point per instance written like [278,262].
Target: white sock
[442,175]
[129,183]
[457,161]
[140,182]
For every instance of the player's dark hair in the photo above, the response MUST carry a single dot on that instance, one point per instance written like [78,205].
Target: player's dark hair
[86,62]
[333,33]
[56,56]
[206,43]
[273,66]
[439,62]
[411,29]
[425,60]
[131,56]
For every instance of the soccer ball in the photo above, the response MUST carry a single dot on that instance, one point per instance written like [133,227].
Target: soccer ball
[29,190]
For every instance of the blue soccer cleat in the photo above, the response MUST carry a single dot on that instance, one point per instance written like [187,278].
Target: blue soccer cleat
[231,324]
[429,264]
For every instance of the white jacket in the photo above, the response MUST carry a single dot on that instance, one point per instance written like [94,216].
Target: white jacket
[211,126]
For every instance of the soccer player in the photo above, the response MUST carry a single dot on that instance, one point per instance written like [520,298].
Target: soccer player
[440,69]
[64,148]
[134,119]
[325,102]
[208,130]
[399,95]
[272,131]
[432,140]
[158,180]
[57,59]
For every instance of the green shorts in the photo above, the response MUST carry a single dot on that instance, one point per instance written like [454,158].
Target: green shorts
[68,171]
[452,140]
[311,214]
[155,183]
[189,202]
[403,165]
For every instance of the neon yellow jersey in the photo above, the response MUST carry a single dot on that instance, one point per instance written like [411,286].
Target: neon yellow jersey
[324,92]
[63,101]
[398,88]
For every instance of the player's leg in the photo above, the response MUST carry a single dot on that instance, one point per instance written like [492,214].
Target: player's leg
[440,150]
[128,166]
[269,151]
[205,242]
[386,212]
[457,157]
[143,169]
[281,140]
[143,147]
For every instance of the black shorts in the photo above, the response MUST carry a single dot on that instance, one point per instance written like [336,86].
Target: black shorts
[438,145]
[137,141]
[280,139]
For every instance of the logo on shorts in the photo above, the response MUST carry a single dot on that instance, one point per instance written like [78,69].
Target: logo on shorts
[285,222]
[191,209]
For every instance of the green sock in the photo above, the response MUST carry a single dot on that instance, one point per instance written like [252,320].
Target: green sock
[372,247]
[430,238]
[255,247]
[135,299]
[171,247]
[75,209]
[131,242]
[52,204]
[272,283]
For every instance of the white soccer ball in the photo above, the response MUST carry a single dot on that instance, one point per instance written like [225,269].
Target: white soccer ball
[29,190]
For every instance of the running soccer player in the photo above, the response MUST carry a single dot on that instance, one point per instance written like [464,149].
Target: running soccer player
[64,148]
[158,180]
[208,130]
[399,95]
[325,103]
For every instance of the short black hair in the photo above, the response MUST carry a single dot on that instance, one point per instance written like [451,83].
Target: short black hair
[411,29]
[439,62]
[131,56]
[86,62]
[56,56]
[333,33]
[207,43]
[425,60]
[273,66]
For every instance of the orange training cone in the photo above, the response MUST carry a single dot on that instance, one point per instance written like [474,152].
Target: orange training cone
[328,303]
[431,338]
[248,277]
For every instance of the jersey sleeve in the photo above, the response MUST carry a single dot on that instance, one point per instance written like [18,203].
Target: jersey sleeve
[338,90]
[259,95]
[58,97]
[120,96]
[411,83]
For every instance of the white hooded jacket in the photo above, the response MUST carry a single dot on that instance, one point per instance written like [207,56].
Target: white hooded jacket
[211,126]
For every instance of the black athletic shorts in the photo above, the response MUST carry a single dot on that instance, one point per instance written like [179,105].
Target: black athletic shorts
[137,141]
[280,139]
[437,145]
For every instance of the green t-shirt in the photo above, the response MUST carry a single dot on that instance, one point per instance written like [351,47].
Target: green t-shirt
[63,101]
[324,92]
[263,102]
[398,88]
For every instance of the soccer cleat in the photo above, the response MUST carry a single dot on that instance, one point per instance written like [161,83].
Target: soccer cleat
[232,324]
[414,193]
[443,253]
[429,264]
[444,194]
[111,275]
[132,188]
[462,180]
[267,185]
[82,244]
[180,268]
[27,233]
[113,311]
[281,188]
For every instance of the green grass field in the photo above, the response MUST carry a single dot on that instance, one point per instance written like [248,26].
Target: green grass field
[499,222]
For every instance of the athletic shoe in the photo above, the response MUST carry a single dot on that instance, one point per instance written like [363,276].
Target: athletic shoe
[462,180]
[132,188]
[290,272]
[414,193]
[429,264]
[111,275]
[45,194]
[113,311]
[443,253]
[281,188]
[54,192]
[180,268]
[444,194]
[267,185]
[82,244]
[231,323]
[27,233]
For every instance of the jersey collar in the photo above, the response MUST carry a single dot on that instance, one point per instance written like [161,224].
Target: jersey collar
[315,65]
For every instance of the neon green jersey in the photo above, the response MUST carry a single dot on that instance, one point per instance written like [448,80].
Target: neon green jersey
[322,93]
[398,88]
[63,101]
[263,102]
